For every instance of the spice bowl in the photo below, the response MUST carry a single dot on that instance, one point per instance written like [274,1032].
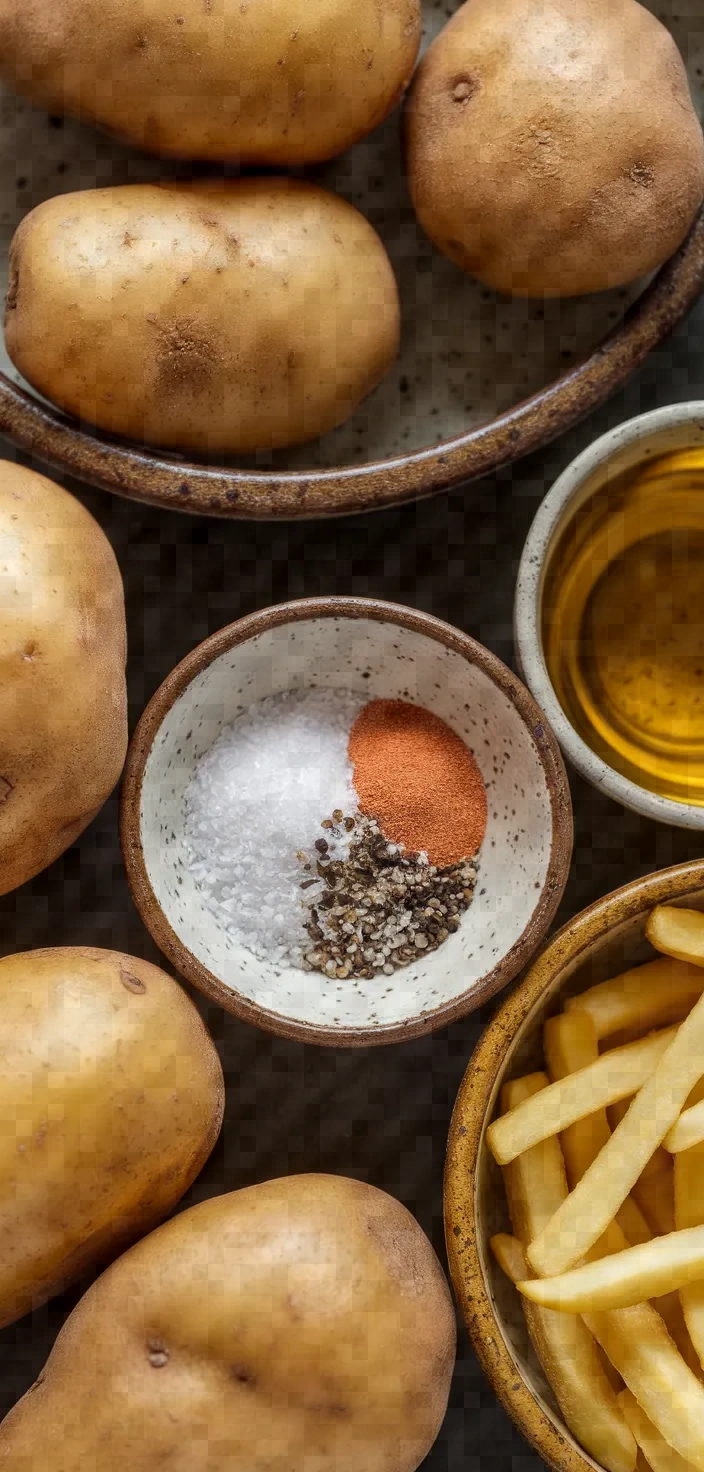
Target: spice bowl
[376,650]
[601,942]
[586,510]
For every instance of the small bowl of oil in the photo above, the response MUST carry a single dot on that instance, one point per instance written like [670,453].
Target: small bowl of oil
[609,613]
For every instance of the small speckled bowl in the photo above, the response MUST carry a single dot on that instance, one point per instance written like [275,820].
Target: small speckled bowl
[379,649]
[607,938]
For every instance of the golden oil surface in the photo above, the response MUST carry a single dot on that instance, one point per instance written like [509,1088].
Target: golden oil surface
[623,625]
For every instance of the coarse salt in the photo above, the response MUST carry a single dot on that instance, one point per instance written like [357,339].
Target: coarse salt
[256,800]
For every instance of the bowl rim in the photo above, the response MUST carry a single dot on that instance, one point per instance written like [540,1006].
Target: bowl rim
[305,610]
[467,1138]
[527,612]
[139,474]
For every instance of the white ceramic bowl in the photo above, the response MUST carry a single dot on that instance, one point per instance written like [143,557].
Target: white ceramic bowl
[675,427]
[381,650]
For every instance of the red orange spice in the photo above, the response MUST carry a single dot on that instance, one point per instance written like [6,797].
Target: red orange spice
[419,780]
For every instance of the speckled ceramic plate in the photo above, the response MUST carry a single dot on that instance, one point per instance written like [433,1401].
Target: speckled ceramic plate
[480,380]
[377,649]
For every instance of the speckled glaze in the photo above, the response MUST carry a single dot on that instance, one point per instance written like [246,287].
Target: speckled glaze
[381,650]
[480,380]
[664,431]
[605,939]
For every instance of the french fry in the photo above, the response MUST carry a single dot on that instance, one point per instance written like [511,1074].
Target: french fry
[509,1255]
[689,1212]
[535,1182]
[624,1278]
[678,933]
[688,1131]
[671,1312]
[633,1224]
[659,1161]
[512,1260]
[647,996]
[613,1076]
[658,1455]
[581,1220]
[570,1044]
[655,1195]
[640,1348]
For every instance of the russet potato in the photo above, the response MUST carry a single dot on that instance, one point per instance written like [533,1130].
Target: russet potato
[206,317]
[111,1096]
[296,1326]
[553,148]
[63,731]
[263,81]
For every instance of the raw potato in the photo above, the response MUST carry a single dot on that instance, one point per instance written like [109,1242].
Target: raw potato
[205,317]
[63,731]
[553,148]
[111,1096]
[301,1324]
[267,81]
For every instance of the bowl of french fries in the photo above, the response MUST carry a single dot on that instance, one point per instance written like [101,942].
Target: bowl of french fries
[574,1187]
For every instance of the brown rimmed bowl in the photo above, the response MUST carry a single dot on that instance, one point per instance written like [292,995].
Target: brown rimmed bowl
[480,380]
[378,649]
[600,942]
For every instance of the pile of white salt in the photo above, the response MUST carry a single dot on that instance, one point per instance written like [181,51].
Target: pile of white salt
[257,800]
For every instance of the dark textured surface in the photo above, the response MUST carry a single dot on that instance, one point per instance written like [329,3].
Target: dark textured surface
[383,1114]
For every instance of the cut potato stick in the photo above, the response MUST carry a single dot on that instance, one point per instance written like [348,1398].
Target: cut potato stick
[660,991]
[633,1224]
[689,1212]
[585,1215]
[654,1192]
[640,1348]
[697,1094]
[509,1255]
[512,1260]
[535,1183]
[671,1312]
[678,933]
[624,1278]
[659,1456]
[659,1160]
[570,1044]
[612,1077]
[688,1131]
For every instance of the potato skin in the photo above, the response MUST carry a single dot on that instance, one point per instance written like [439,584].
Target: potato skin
[301,1324]
[204,317]
[111,1094]
[553,149]
[63,733]
[273,82]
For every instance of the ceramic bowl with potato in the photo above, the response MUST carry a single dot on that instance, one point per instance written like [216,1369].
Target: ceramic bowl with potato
[479,379]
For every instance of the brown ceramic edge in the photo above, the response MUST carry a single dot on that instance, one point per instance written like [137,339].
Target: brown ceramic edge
[469,1120]
[136,474]
[302,610]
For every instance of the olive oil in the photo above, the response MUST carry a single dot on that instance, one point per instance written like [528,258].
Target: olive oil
[623,624]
